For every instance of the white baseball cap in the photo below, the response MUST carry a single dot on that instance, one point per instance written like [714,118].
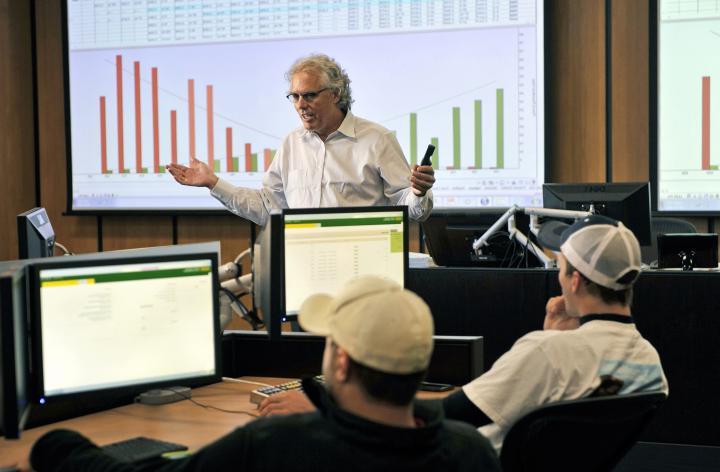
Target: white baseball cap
[379,324]
[600,248]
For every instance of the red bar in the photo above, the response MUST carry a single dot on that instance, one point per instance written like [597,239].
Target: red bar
[267,158]
[706,123]
[228,145]
[173,136]
[138,121]
[191,116]
[156,122]
[119,91]
[103,137]
[210,144]
[248,157]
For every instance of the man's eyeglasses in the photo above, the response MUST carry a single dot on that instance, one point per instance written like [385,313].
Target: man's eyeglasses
[307,96]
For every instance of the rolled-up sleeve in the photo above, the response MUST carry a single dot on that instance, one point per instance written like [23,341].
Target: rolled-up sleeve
[395,172]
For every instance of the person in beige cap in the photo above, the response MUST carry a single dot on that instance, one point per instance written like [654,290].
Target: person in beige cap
[589,344]
[379,343]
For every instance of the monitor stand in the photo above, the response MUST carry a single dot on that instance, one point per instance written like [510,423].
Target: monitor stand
[164,396]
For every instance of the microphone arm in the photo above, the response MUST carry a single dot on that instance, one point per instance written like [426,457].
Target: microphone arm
[535,213]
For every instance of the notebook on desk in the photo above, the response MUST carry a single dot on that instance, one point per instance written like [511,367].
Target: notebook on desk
[674,248]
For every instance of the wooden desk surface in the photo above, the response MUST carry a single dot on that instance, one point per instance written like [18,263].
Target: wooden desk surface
[182,422]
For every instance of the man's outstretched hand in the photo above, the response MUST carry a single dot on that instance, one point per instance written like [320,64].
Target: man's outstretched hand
[197,175]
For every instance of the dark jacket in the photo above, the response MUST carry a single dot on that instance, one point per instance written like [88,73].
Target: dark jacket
[328,439]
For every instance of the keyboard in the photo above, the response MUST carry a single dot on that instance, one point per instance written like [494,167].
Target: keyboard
[140,449]
[260,394]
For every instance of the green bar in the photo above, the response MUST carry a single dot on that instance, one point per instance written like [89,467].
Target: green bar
[127,276]
[436,154]
[500,117]
[143,170]
[272,154]
[396,241]
[253,162]
[108,172]
[456,137]
[125,171]
[714,167]
[216,166]
[478,134]
[161,169]
[235,163]
[413,139]
[380,220]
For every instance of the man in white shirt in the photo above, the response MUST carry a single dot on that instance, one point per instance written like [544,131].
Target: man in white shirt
[589,344]
[335,159]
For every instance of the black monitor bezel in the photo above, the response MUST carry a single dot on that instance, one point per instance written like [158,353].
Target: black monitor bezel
[571,193]
[37,387]
[14,368]
[315,211]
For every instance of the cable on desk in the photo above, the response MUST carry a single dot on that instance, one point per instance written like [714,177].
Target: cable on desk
[230,379]
[211,407]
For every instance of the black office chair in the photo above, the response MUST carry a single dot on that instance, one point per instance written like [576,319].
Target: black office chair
[590,434]
[663,225]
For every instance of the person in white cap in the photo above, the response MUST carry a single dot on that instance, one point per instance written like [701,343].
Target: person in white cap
[589,344]
[379,343]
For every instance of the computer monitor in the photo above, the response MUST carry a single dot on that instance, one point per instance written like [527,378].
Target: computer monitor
[323,248]
[628,202]
[449,235]
[126,324]
[36,237]
[688,251]
[14,366]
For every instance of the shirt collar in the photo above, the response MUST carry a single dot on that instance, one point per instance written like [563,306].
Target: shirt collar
[346,128]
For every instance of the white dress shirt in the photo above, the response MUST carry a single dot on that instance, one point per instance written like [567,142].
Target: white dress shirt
[359,164]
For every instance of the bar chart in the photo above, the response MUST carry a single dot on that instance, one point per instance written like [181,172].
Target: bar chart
[688,111]
[231,162]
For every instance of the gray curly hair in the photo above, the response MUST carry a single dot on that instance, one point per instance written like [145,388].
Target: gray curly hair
[336,79]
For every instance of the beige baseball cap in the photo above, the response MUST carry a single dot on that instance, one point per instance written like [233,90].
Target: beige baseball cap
[379,324]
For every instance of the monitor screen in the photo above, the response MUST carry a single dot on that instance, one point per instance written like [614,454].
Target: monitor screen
[36,237]
[628,202]
[324,248]
[124,323]
[684,111]
[152,82]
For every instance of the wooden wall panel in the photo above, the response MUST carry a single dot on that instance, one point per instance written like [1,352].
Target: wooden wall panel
[630,93]
[232,231]
[17,147]
[576,88]
[128,232]
[79,234]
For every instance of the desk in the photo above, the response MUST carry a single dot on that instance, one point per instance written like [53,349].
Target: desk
[182,422]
